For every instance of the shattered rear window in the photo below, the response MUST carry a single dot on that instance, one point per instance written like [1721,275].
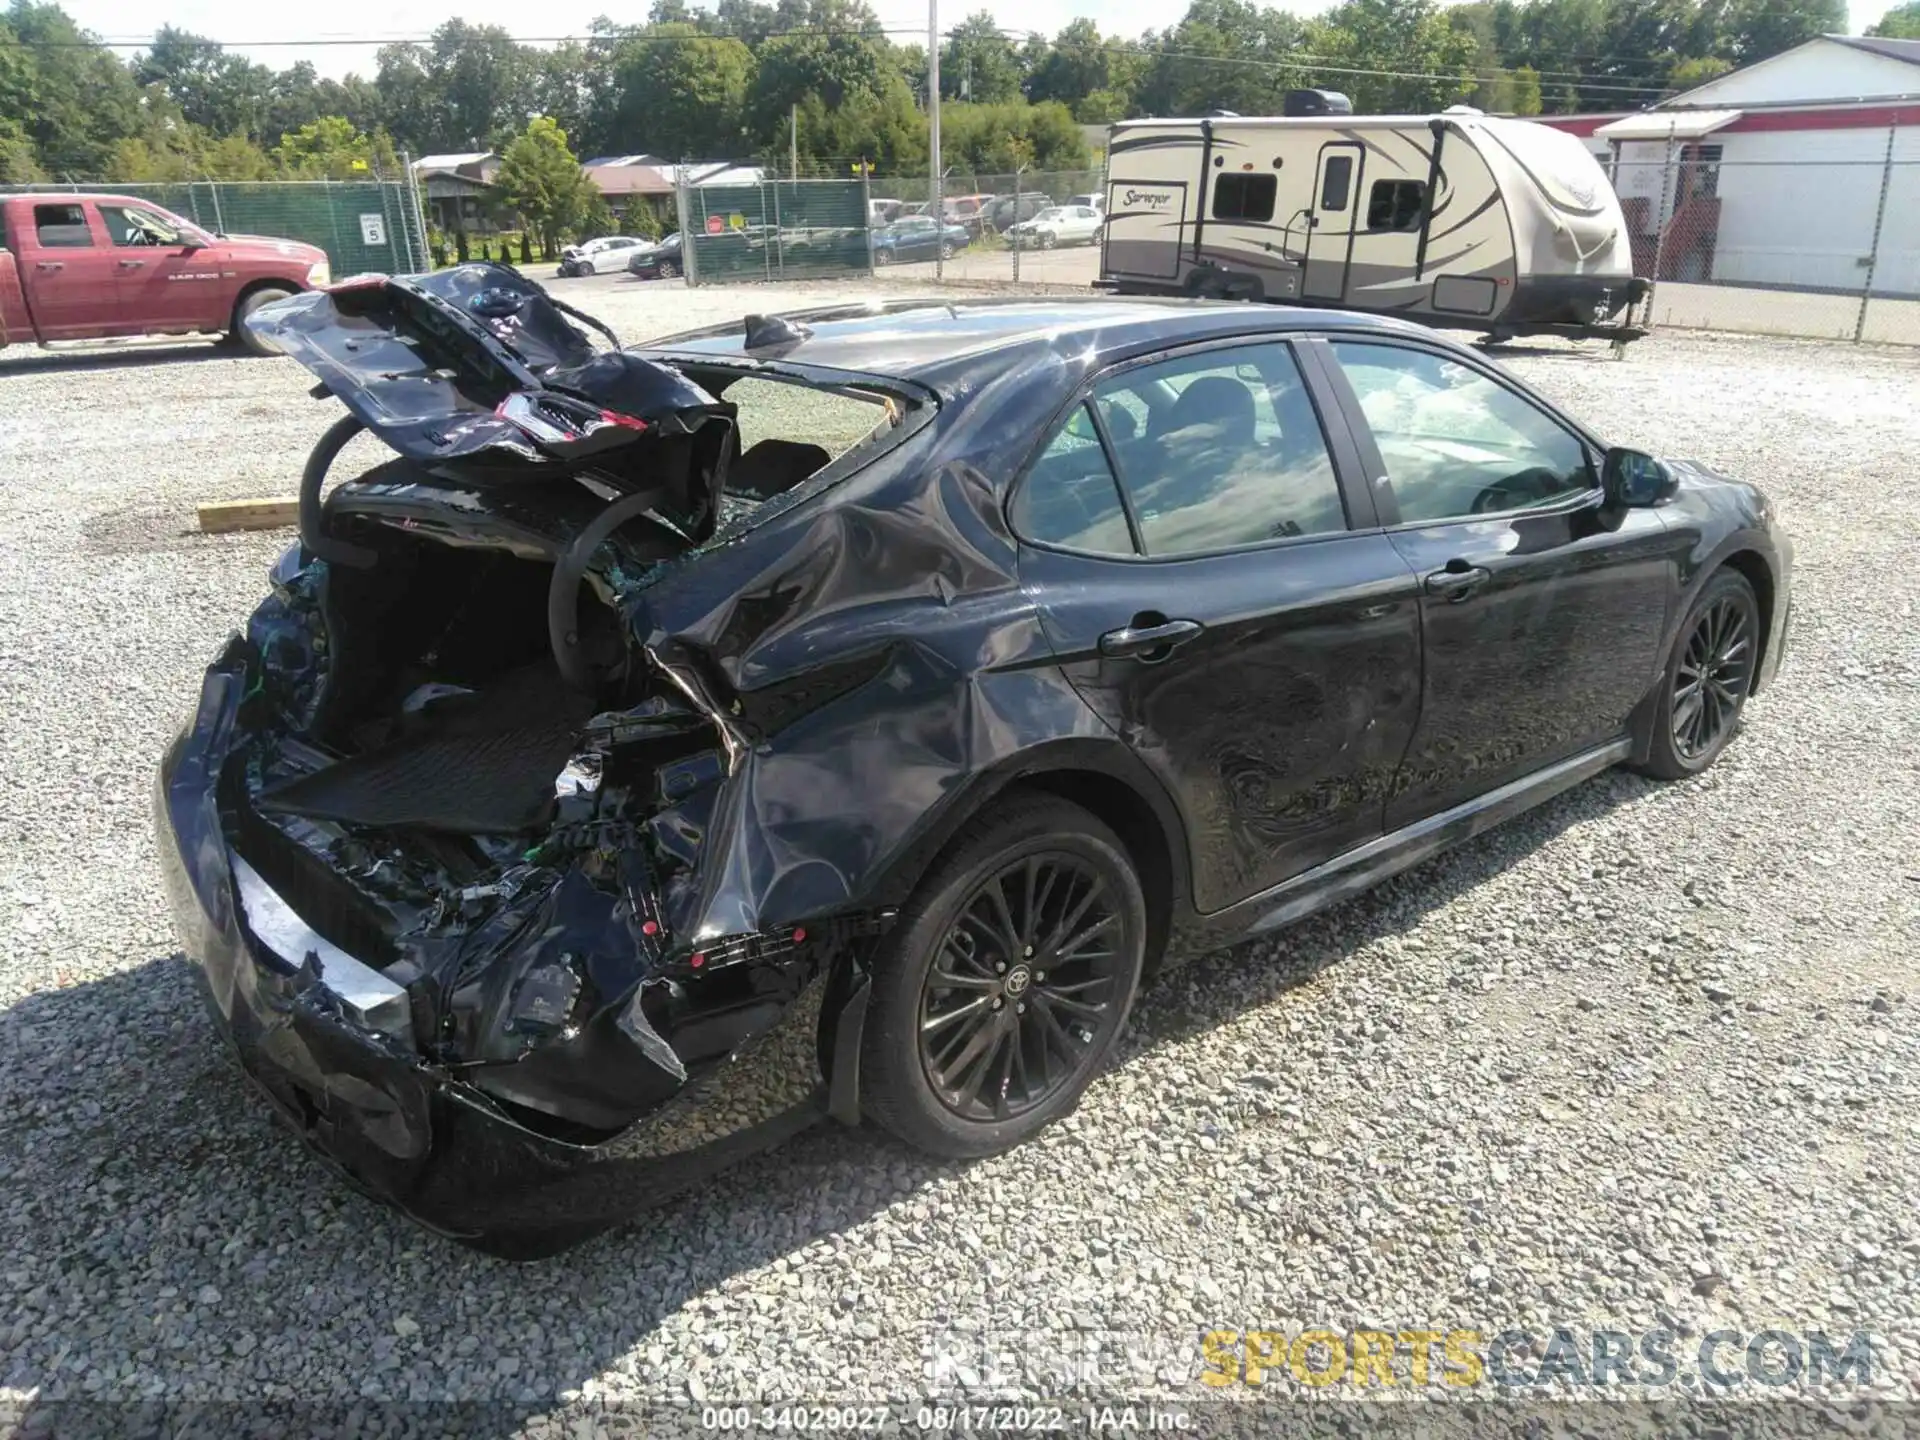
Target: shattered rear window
[790,431]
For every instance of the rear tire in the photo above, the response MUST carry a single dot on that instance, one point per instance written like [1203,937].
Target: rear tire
[1035,917]
[669,270]
[946,249]
[240,336]
[1708,677]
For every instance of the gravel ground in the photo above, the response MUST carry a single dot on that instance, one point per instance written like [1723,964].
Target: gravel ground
[1643,1058]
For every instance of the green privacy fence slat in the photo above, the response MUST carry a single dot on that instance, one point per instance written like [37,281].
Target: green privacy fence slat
[781,230]
[370,225]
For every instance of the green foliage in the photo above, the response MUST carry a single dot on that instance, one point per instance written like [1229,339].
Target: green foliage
[331,149]
[980,64]
[1900,23]
[995,138]
[540,178]
[719,80]
[680,92]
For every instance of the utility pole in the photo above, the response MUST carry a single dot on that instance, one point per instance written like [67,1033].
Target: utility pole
[933,114]
[793,142]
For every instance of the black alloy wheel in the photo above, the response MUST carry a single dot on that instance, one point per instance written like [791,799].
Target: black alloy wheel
[1708,679]
[1023,982]
[1005,982]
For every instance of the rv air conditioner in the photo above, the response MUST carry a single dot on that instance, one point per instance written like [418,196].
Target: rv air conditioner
[1315,102]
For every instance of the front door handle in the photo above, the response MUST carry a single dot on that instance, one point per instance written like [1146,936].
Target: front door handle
[1147,635]
[50,265]
[132,264]
[1458,581]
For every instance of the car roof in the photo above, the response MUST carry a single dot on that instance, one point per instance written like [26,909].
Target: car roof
[922,339]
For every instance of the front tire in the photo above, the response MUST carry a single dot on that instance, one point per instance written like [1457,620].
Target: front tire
[1707,679]
[669,270]
[1048,240]
[1004,985]
[240,335]
[946,250]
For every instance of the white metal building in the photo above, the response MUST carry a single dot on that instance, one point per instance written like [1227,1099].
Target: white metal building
[1779,174]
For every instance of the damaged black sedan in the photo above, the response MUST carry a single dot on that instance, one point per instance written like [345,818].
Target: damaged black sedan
[842,714]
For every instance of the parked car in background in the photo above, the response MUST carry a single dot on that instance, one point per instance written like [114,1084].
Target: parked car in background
[916,237]
[96,267]
[1061,225]
[661,261]
[609,252]
[967,211]
[1091,201]
[1009,210]
[884,212]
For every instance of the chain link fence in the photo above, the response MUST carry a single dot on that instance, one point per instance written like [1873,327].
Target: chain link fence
[1036,227]
[778,230]
[1826,248]
[371,225]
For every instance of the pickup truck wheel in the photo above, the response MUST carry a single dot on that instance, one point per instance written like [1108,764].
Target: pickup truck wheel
[240,336]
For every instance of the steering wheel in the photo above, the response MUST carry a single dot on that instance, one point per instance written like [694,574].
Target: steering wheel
[1523,487]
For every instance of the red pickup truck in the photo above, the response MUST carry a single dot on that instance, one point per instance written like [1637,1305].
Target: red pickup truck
[89,267]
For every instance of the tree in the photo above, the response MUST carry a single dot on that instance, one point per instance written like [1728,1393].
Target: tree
[69,96]
[1079,65]
[995,139]
[1430,62]
[1223,55]
[17,163]
[1900,23]
[331,149]
[540,178]
[220,93]
[980,64]
[834,67]
[679,93]
[1756,29]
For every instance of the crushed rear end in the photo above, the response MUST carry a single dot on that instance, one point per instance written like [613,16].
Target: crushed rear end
[444,831]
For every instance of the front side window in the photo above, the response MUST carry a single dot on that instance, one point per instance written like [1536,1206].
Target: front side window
[61,227]
[1243,197]
[129,226]
[1456,442]
[1070,497]
[1396,204]
[1221,448]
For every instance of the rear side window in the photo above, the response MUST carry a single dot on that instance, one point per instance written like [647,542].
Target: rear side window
[1396,204]
[1070,497]
[1244,197]
[1230,453]
[61,227]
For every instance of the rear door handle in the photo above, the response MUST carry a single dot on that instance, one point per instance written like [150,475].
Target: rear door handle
[1142,640]
[1456,584]
[50,265]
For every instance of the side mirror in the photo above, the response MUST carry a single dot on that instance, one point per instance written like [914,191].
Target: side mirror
[1632,480]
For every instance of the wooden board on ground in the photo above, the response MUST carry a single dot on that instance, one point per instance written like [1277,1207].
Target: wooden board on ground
[217,516]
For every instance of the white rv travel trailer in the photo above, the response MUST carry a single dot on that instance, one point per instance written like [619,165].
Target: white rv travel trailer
[1459,219]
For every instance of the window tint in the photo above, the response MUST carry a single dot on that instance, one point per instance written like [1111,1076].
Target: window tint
[61,227]
[1243,197]
[1396,204]
[1336,179]
[1456,442]
[1230,451]
[1069,496]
